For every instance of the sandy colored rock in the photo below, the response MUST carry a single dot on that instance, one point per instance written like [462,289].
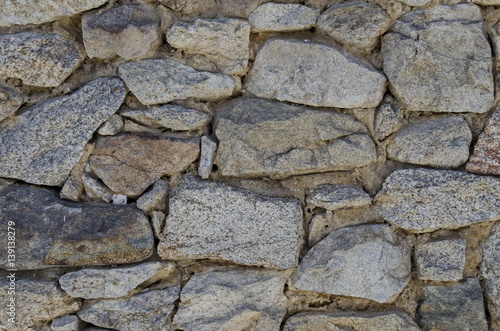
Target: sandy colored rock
[334,197]
[425,200]
[207,156]
[43,143]
[155,198]
[112,127]
[10,101]
[388,118]
[441,260]
[67,323]
[304,72]
[279,17]
[260,138]
[486,156]
[208,220]
[95,189]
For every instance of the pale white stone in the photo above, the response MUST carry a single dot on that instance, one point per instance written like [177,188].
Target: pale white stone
[119,199]
[207,156]
[282,17]
[334,197]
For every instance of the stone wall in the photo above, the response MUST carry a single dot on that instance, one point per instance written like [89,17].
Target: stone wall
[249,165]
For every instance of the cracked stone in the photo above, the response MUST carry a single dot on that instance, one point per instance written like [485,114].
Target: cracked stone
[486,157]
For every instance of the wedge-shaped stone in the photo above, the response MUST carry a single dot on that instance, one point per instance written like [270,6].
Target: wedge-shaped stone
[214,221]
[334,197]
[282,17]
[43,143]
[425,200]
[10,101]
[314,74]
[492,294]
[486,157]
[55,232]
[490,266]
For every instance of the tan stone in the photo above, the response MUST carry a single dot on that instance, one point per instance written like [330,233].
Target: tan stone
[486,157]
[10,101]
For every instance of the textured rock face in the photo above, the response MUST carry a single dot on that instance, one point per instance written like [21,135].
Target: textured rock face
[442,260]
[10,101]
[388,118]
[52,232]
[165,80]
[112,127]
[214,221]
[41,145]
[67,323]
[207,156]
[264,138]
[492,294]
[155,198]
[40,59]
[128,164]
[304,72]
[486,157]
[490,267]
[424,200]
[442,143]
[282,17]
[251,300]
[439,60]
[367,261]
[334,197]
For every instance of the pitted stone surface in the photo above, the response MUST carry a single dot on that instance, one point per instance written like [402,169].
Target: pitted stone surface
[10,101]
[441,260]
[334,197]
[486,157]
[281,17]
[490,266]
[388,118]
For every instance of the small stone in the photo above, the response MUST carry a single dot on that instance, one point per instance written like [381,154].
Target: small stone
[155,198]
[304,72]
[10,101]
[208,220]
[442,260]
[132,127]
[129,31]
[72,189]
[486,2]
[119,199]
[425,200]
[207,156]
[95,189]
[334,197]
[67,323]
[232,300]
[282,17]
[317,228]
[490,266]
[158,222]
[492,294]
[440,142]
[419,3]
[453,307]
[112,127]
[389,116]
[367,261]
[486,156]
[165,80]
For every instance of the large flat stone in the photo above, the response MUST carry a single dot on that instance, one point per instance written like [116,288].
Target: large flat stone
[486,156]
[265,138]
[55,232]
[314,74]
[43,143]
[214,221]
[425,200]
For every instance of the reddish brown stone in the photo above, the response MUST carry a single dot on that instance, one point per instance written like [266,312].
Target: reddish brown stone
[486,157]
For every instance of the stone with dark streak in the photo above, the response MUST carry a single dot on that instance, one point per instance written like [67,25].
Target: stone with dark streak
[486,157]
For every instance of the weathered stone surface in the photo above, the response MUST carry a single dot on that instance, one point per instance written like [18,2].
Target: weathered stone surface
[388,119]
[67,323]
[486,156]
[442,260]
[112,127]
[119,199]
[424,200]
[157,222]
[10,101]
[208,220]
[232,300]
[492,294]
[304,72]
[367,261]
[355,24]
[164,80]
[129,164]
[51,231]
[317,227]
[490,266]
[72,189]
[95,189]
[155,198]
[14,12]
[171,117]
[207,156]
[334,197]
[265,138]
[224,41]
[40,59]
[129,31]
[439,60]
[453,307]
[282,17]
[148,310]
[441,142]
[393,321]
[417,3]
[43,143]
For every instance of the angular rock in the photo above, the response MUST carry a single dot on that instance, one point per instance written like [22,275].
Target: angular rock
[208,220]
[112,127]
[43,143]
[155,198]
[10,101]
[72,189]
[149,310]
[129,164]
[425,200]
[418,3]
[224,41]
[389,116]
[334,197]
[356,24]
[250,300]
[165,80]
[442,143]
[490,266]
[442,260]
[67,323]
[492,294]
[486,156]
[279,17]
[95,189]
[157,222]
[304,72]
[119,199]
[367,261]
[264,138]
[207,156]
[55,232]
[439,60]
[453,307]
[317,227]
[129,31]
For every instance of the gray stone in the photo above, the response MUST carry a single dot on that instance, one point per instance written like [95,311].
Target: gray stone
[67,323]
[119,199]
[282,17]
[492,295]
[43,143]
[418,3]
[155,198]
[95,189]
[129,31]
[208,220]
[441,260]
[486,156]
[388,119]
[225,42]
[149,310]
[55,232]
[304,72]
[490,266]
[40,59]
[440,142]
[425,200]
[486,2]
[157,222]
[10,101]
[112,127]
[438,60]
[165,80]
[232,300]
[264,138]
[207,156]
[319,223]
[72,189]
[334,197]
[453,307]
